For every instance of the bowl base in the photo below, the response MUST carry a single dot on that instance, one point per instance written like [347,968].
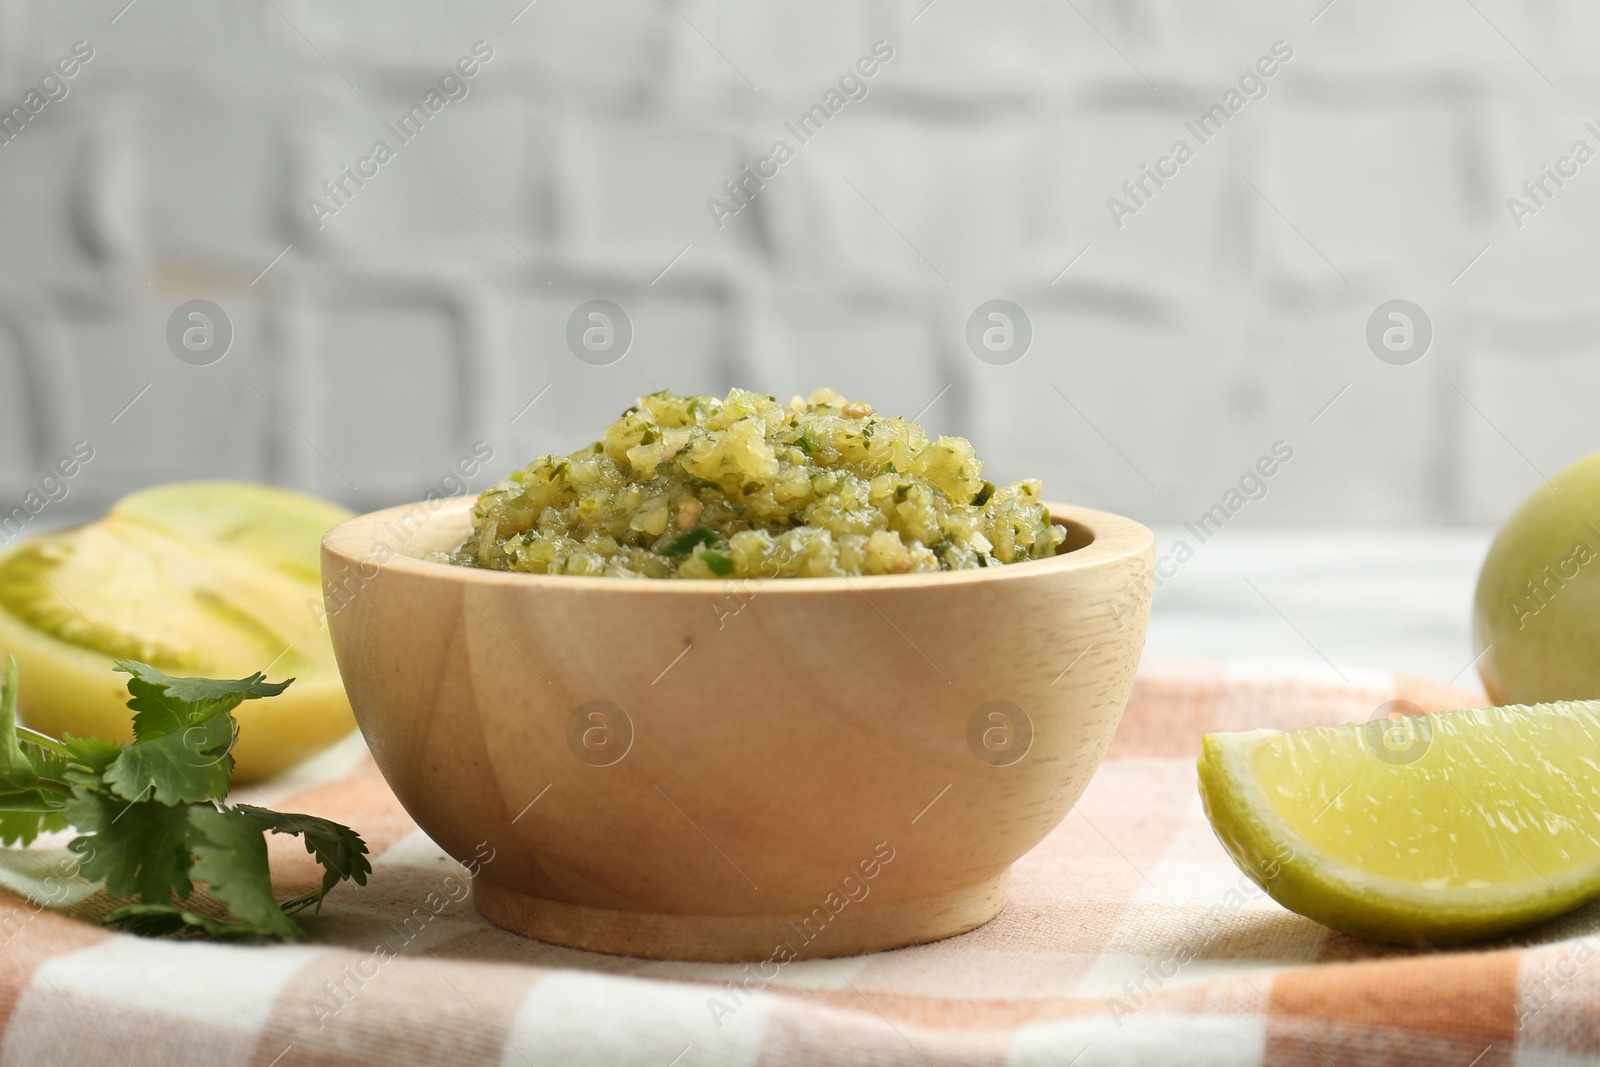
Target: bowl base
[858,927]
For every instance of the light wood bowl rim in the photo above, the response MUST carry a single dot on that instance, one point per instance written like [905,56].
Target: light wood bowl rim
[1115,538]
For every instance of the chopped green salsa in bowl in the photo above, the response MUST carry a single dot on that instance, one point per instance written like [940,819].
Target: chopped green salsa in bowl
[746,487]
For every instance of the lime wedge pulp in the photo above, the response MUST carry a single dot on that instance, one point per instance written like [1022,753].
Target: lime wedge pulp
[1435,829]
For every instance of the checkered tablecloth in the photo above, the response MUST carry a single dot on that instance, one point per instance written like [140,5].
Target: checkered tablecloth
[1130,938]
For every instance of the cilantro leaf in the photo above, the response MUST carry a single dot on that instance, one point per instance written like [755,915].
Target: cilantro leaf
[686,543]
[49,765]
[162,920]
[21,827]
[39,801]
[88,759]
[90,753]
[338,848]
[163,705]
[138,848]
[196,690]
[183,730]
[177,768]
[230,855]
[147,813]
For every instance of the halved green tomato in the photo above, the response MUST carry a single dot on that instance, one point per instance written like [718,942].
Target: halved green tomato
[1434,829]
[277,526]
[205,579]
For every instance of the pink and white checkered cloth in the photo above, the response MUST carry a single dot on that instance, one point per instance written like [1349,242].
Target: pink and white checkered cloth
[1130,938]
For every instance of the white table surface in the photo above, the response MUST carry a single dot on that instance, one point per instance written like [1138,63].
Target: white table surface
[1367,599]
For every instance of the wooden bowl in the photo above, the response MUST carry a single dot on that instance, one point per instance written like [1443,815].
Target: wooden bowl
[741,770]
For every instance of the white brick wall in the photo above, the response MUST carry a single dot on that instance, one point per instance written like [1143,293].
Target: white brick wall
[427,313]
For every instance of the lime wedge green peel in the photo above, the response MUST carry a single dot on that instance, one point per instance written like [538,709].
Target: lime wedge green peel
[1436,829]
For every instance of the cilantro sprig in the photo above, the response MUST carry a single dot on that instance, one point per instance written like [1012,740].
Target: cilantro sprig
[151,814]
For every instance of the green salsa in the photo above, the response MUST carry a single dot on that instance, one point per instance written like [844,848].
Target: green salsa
[746,487]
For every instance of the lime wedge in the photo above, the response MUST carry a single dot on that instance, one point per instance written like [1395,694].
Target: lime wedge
[1435,829]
